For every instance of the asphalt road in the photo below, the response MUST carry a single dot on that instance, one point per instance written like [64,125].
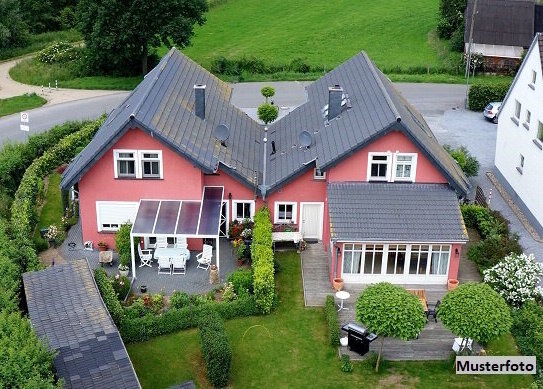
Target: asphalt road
[42,119]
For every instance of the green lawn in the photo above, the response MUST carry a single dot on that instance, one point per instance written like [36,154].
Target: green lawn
[20,103]
[289,348]
[51,212]
[395,33]
[40,41]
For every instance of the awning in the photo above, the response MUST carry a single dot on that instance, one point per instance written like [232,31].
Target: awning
[181,218]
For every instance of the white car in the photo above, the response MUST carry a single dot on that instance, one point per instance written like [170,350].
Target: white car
[491,111]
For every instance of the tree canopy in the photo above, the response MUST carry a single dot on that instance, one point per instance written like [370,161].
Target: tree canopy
[267,92]
[390,311]
[13,30]
[267,113]
[118,34]
[476,311]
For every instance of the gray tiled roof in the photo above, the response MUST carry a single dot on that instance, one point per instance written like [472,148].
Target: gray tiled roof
[163,105]
[394,212]
[376,108]
[501,22]
[65,308]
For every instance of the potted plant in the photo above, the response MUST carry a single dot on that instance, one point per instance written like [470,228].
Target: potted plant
[51,235]
[241,254]
[452,284]
[337,283]
[124,270]
[102,246]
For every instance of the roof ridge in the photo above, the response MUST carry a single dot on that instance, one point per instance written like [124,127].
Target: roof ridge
[162,64]
[373,70]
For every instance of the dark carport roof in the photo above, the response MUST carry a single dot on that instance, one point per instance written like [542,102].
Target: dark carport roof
[394,212]
[66,309]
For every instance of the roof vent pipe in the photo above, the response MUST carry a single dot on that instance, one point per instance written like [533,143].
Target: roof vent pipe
[335,96]
[200,101]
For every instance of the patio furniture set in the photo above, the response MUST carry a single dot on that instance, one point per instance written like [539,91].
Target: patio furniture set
[172,259]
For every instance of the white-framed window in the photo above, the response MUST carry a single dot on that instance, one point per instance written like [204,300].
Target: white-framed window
[418,261]
[151,163]
[405,167]
[520,166]
[318,174]
[285,212]
[396,258]
[110,215]
[379,166]
[534,77]
[243,209]
[518,108]
[540,131]
[528,118]
[125,163]
[439,262]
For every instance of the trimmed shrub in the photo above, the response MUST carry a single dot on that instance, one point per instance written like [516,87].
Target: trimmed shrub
[346,365]
[262,256]
[488,252]
[242,280]
[264,285]
[216,349]
[481,94]
[528,330]
[472,213]
[467,162]
[179,300]
[333,320]
[122,244]
[108,295]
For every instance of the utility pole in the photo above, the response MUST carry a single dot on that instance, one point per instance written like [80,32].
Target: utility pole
[470,42]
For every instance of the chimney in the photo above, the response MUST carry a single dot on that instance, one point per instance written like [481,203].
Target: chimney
[335,96]
[200,101]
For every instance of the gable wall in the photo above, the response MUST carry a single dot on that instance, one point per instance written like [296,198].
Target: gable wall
[355,167]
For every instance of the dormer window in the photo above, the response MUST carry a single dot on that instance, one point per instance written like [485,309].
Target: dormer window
[379,167]
[318,174]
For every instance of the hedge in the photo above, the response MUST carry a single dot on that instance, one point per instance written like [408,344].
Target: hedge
[332,319]
[528,330]
[16,157]
[150,326]
[481,94]
[262,257]
[216,349]
[242,279]
[108,295]
[24,207]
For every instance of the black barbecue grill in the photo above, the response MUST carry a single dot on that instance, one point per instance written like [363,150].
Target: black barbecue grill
[359,338]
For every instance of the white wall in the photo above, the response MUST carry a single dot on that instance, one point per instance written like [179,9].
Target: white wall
[515,139]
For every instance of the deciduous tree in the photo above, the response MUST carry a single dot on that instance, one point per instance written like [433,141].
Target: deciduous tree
[390,311]
[267,113]
[13,30]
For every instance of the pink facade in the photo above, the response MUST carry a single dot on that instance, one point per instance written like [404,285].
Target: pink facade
[355,168]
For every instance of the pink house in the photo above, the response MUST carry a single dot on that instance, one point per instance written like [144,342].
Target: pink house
[355,168]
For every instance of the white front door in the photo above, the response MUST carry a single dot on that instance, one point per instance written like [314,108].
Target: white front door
[312,216]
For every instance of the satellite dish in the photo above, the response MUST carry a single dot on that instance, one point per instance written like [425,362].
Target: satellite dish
[222,132]
[305,139]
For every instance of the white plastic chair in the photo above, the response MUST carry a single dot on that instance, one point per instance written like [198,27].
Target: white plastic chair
[458,347]
[204,258]
[164,266]
[178,265]
[161,242]
[181,243]
[146,257]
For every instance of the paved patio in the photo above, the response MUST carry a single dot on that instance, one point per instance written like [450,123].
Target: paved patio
[434,342]
[195,281]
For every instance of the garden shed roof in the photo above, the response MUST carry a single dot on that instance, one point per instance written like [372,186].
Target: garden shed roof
[66,309]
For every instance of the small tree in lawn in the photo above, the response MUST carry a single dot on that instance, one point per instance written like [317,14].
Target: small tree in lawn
[390,311]
[476,311]
[516,278]
[267,113]
[267,92]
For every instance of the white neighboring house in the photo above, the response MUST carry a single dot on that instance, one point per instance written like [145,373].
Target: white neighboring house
[519,144]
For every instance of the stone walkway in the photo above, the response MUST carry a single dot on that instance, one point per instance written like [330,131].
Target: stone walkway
[11,88]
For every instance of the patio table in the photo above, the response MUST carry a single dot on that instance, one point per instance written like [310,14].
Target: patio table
[171,252]
[293,236]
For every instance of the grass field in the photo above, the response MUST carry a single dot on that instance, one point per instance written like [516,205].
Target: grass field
[40,41]
[20,103]
[395,33]
[289,348]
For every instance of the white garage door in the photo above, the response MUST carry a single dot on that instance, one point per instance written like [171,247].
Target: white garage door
[110,215]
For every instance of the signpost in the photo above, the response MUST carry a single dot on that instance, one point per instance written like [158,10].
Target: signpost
[25,125]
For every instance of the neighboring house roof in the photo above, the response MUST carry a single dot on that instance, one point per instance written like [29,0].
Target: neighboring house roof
[393,212]
[163,105]
[537,47]
[65,308]
[375,108]
[501,22]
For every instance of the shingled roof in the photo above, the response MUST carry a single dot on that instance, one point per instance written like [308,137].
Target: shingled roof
[66,309]
[501,22]
[392,212]
[375,108]
[163,105]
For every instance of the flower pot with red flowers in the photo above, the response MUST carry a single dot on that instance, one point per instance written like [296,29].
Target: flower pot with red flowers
[102,246]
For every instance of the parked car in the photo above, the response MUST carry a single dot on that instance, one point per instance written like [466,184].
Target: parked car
[491,111]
